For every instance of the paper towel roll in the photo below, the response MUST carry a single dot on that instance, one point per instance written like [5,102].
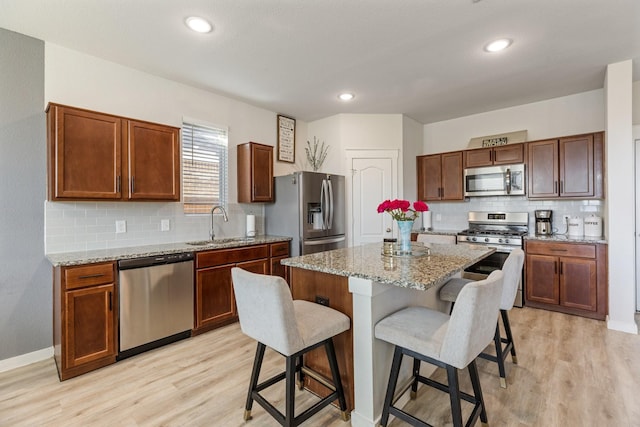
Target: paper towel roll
[426,220]
[251,225]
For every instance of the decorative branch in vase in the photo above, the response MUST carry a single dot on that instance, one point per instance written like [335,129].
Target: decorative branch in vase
[315,157]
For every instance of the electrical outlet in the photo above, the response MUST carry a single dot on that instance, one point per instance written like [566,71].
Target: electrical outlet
[322,300]
[165,225]
[121,226]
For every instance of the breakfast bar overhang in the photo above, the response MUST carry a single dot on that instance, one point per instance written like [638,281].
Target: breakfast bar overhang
[367,286]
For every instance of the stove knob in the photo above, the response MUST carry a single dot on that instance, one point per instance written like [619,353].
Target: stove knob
[506,240]
[473,239]
[500,240]
[486,239]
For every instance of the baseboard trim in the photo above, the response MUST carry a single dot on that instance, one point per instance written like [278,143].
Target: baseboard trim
[25,359]
[629,327]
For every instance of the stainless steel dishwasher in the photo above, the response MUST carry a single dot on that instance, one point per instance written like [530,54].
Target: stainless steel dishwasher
[156,302]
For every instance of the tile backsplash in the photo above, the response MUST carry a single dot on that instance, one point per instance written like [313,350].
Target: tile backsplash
[79,226]
[453,216]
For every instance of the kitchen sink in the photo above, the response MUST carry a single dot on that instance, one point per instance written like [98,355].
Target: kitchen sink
[219,241]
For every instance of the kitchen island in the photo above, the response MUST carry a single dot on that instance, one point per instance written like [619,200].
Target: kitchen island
[367,286]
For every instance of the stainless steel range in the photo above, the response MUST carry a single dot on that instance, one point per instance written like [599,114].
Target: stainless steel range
[501,230]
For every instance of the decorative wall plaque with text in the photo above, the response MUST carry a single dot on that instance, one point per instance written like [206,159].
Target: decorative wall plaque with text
[286,139]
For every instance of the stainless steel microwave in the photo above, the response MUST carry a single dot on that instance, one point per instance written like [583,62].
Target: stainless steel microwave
[504,180]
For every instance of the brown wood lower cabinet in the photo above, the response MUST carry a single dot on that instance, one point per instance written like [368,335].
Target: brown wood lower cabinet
[567,277]
[307,285]
[84,318]
[215,303]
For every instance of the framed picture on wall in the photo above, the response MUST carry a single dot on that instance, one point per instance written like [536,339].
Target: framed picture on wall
[286,139]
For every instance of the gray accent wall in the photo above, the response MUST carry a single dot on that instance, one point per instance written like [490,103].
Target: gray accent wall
[25,274]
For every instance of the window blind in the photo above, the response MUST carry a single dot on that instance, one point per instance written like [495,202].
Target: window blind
[204,167]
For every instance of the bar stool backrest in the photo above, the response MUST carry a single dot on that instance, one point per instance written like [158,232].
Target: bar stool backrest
[265,309]
[512,269]
[473,321]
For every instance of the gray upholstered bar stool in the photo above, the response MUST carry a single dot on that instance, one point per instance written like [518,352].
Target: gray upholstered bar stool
[512,269]
[451,342]
[269,315]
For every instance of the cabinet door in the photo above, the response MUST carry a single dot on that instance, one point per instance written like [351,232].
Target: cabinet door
[214,296]
[578,283]
[429,177]
[543,169]
[542,279]
[576,166]
[452,188]
[255,173]
[89,325]
[478,157]
[508,154]
[153,161]
[84,154]
[259,266]
[277,269]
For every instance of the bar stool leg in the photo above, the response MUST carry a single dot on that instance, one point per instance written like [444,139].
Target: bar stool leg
[257,365]
[416,373]
[477,390]
[507,330]
[335,373]
[454,395]
[290,391]
[500,356]
[391,388]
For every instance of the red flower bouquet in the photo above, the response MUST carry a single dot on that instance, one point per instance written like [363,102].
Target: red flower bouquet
[400,210]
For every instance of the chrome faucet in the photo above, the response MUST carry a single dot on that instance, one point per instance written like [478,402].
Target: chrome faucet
[224,217]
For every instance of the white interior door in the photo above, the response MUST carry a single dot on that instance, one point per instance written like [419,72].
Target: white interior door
[373,180]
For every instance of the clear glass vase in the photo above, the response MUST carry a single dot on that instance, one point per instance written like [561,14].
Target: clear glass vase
[404,241]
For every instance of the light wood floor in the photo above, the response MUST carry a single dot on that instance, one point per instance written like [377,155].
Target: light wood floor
[572,372]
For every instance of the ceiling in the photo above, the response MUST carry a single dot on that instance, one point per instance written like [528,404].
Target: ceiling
[421,58]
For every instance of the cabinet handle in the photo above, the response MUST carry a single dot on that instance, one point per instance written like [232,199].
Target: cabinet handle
[110,301]
[555,267]
[555,186]
[561,186]
[90,276]
[561,267]
[491,156]
[558,250]
[133,184]
[118,184]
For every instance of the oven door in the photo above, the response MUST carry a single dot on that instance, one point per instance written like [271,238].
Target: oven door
[495,261]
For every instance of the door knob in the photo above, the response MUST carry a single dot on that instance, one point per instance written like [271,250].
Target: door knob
[388,230]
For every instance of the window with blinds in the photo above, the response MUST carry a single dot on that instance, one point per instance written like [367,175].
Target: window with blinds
[204,167]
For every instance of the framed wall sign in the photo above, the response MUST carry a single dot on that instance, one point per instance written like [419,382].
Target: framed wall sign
[286,139]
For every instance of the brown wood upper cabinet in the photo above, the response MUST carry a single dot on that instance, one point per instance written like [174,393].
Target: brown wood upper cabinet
[568,167]
[500,155]
[94,156]
[255,173]
[440,177]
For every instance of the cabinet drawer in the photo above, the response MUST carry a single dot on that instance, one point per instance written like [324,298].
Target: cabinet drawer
[562,249]
[279,249]
[231,256]
[88,275]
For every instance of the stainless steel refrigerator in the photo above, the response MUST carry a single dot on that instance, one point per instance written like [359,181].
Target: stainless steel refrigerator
[310,208]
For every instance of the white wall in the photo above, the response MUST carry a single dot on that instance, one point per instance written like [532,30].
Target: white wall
[412,136]
[568,115]
[620,196]
[80,80]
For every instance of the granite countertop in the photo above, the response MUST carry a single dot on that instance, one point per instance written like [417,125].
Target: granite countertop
[367,262]
[566,238]
[438,232]
[114,254]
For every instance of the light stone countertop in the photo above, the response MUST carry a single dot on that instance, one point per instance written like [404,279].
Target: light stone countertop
[115,254]
[564,238]
[367,262]
[438,232]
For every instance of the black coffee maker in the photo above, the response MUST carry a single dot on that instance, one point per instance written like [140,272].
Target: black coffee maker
[543,222]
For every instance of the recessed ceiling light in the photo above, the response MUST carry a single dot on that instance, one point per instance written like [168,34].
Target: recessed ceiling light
[498,45]
[346,96]
[198,24]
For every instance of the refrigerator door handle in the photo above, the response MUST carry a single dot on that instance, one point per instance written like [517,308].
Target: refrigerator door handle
[324,202]
[330,224]
[323,241]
